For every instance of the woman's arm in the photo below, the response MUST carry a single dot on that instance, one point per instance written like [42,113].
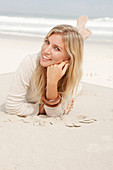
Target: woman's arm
[54,74]
[15,103]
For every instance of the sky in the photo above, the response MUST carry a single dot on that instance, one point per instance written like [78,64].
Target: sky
[92,8]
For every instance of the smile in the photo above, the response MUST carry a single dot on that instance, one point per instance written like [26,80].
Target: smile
[44,57]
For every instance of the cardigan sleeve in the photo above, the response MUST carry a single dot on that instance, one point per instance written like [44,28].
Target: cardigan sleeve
[54,111]
[15,102]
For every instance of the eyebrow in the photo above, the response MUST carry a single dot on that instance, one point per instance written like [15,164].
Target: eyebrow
[55,44]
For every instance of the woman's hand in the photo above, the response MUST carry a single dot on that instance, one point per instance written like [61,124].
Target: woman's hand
[56,72]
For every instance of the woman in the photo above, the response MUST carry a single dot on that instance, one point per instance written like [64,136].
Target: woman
[47,82]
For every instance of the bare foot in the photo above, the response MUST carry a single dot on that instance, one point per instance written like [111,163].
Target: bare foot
[81,21]
[85,33]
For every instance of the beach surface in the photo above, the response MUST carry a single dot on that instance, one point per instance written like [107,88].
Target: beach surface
[81,140]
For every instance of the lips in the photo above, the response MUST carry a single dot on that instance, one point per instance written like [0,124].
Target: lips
[45,57]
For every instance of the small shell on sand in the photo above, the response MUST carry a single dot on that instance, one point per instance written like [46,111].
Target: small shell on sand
[72,124]
[87,120]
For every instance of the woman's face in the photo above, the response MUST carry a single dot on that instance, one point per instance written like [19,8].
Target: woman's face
[53,51]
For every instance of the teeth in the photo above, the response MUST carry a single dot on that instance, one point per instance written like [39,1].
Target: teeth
[46,57]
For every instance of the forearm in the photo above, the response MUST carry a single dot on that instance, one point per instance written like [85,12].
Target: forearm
[51,91]
[14,106]
[54,74]
[51,109]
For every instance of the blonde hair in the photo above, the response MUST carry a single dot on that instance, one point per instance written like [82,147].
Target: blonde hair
[74,46]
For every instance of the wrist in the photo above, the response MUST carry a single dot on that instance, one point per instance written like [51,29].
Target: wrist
[52,84]
[51,103]
[51,91]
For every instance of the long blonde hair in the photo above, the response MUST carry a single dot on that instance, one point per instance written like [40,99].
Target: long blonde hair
[74,46]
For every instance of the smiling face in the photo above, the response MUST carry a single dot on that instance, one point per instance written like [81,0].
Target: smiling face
[53,51]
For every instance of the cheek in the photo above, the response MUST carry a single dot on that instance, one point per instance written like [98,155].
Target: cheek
[64,57]
[59,58]
[42,48]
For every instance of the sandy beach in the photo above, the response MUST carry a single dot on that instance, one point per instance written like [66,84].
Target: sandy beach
[81,140]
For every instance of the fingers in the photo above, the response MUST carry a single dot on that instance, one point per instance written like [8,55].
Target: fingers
[65,68]
[62,64]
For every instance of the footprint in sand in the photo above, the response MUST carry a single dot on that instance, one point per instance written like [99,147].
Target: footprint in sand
[106,145]
[95,148]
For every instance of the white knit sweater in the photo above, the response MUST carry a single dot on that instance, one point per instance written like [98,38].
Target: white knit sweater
[22,91]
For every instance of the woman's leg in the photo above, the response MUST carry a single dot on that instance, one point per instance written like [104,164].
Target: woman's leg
[85,32]
[81,21]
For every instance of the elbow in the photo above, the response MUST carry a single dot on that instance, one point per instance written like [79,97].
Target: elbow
[6,108]
[10,109]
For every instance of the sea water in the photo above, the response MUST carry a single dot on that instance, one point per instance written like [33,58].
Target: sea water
[34,26]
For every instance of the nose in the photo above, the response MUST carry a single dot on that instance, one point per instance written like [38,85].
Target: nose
[48,49]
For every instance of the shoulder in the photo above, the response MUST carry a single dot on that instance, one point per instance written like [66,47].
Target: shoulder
[29,62]
[27,67]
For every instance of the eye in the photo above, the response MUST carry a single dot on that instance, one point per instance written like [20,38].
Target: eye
[47,41]
[58,49]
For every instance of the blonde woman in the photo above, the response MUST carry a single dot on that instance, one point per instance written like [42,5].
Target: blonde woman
[46,83]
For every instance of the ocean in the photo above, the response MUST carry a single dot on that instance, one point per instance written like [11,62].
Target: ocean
[38,26]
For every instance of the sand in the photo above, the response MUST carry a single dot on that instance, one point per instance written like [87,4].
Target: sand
[17,49]
[81,140]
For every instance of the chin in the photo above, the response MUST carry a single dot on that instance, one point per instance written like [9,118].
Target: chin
[43,64]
